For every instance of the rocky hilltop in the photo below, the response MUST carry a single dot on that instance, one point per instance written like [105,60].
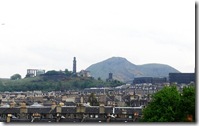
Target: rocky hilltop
[125,71]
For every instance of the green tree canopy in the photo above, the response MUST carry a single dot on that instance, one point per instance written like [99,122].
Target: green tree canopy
[15,77]
[53,72]
[187,103]
[93,100]
[67,72]
[169,105]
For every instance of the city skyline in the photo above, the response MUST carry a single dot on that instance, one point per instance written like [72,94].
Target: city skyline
[48,34]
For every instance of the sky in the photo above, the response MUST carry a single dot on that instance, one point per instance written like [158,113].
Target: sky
[47,34]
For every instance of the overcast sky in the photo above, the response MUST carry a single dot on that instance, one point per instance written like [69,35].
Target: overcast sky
[47,34]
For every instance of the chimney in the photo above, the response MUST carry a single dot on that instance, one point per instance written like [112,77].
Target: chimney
[101,109]
[22,105]
[59,107]
[58,111]
[8,118]
[81,99]
[12,104]
[124,112]
[113,108]
[53,105]
[80,108]
[23,110]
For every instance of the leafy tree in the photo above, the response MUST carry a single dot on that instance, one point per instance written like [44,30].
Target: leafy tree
[187,103]
[15,77]
[169,105]
[93,100]
[28,75]
[67,72]
[53,72]
[52,80]
[2,86]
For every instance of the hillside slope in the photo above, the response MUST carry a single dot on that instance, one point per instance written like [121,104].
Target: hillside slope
[124,71]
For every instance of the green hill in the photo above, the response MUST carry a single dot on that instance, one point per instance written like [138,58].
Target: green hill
[124,71]
[156,70]
[53,83]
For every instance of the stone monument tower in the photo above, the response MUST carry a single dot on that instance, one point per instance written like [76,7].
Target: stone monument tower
[74,65]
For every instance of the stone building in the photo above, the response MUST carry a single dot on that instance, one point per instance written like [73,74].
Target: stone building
[180,78]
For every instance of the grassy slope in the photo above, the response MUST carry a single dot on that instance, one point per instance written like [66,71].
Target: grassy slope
[49,83]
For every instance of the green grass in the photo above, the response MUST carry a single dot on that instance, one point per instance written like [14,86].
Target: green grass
[50,83]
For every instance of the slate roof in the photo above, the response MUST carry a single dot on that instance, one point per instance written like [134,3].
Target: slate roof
[69,104]
[9,110]
[108,109]
[92,109]
[69,109]
[44,110]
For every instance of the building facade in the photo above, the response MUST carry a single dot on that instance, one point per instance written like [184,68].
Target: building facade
[60,113]
[34,72]
[180,78]
[153,80]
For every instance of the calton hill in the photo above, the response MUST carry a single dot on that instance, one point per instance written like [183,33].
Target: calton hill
[54,81]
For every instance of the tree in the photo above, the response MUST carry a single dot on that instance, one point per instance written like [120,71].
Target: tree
[67,72]
[93,100]
[187,103]
[169,105]
[2,86]
[15,77]
[53,72]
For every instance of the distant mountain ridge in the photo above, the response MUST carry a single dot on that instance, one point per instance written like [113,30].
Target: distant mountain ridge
[124,71]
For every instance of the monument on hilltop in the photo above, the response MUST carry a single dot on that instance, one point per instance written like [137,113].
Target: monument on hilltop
[74,65]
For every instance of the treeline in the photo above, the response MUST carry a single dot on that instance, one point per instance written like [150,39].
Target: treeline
[54,80]
[170,105]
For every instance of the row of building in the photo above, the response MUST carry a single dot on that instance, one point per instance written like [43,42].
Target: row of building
[61,113]
[71,106]
[120,104]
[179,78]
[116,104]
